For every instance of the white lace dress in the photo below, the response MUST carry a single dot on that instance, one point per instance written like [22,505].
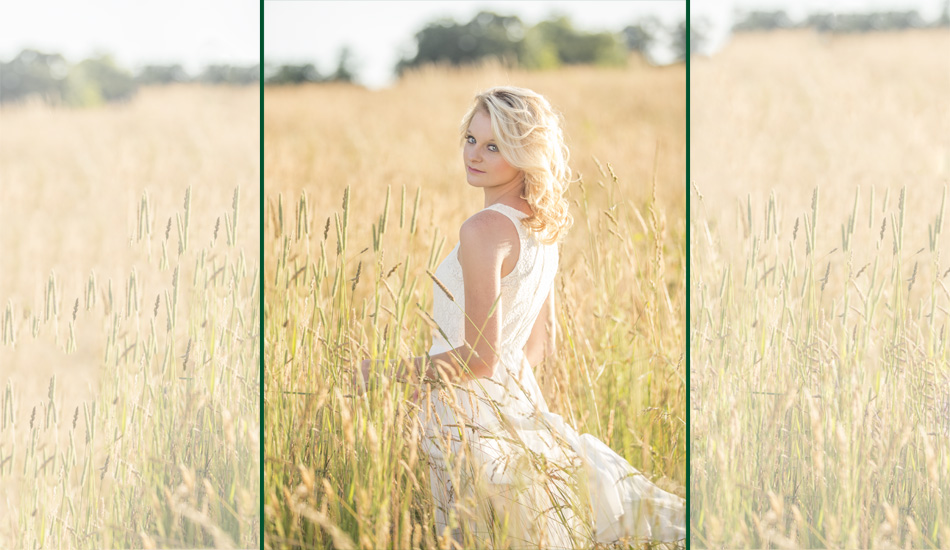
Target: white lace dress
[505,467]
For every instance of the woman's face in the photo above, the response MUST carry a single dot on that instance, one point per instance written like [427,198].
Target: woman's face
[484,165]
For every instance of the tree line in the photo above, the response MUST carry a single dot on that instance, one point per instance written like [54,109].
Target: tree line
[549,44]
[842,22]
[99,79]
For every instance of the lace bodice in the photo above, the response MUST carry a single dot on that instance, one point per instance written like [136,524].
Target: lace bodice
[523,291]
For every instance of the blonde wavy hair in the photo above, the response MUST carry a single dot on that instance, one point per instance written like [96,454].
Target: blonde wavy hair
[529,137]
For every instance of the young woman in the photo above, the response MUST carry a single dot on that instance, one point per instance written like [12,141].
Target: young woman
[505,471]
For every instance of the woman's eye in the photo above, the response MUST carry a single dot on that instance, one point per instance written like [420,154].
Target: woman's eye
[470,139]
[493,148]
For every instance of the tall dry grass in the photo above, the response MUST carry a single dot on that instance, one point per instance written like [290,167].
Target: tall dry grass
[129,344]
[820,363]
[365,191]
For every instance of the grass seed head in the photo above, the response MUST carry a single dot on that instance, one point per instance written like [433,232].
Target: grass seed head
[440,285]
[356,279]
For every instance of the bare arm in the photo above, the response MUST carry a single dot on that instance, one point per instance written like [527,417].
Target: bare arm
[486,244]
[485,241]
[543,338]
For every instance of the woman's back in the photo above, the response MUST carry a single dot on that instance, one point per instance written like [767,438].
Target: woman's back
[523,290]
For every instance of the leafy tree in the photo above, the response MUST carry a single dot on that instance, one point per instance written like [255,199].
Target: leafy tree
[162,74]
[344,71]
[538,52]
[763,21]
[575,47]
[486,35]
[697,37]
[864,22]
[640,36]
[294,74]
[98,79]
[33,73]
[230,74]
[546,45]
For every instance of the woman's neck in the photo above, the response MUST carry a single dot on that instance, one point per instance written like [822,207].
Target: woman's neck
[510,196]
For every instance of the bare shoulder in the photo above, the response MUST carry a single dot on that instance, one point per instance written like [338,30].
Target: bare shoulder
[487,240]
[488,228]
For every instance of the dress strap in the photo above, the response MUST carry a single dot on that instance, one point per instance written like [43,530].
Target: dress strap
[513,214]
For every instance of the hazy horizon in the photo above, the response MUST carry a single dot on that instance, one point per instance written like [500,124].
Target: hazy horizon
[315,32]
[205,32]
[193,34]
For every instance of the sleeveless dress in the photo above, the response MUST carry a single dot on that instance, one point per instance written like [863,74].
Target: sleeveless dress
[502,466]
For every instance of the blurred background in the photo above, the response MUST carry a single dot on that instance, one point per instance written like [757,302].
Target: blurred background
[129,193]
[715,21]
[326,41]
[85,55]
[823,79]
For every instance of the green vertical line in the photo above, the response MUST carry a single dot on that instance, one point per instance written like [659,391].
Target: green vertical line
[689,284]
[261,291]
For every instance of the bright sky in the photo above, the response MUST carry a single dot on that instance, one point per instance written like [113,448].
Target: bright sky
[194,33]
[378,32]
[198,32]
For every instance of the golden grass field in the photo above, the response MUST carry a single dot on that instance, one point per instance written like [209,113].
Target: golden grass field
[347,281]
[820,362]
[129,343]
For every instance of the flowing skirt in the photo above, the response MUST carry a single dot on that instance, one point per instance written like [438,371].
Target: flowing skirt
[513,474]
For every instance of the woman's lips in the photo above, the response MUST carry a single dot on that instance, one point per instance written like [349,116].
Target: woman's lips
[474,171]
